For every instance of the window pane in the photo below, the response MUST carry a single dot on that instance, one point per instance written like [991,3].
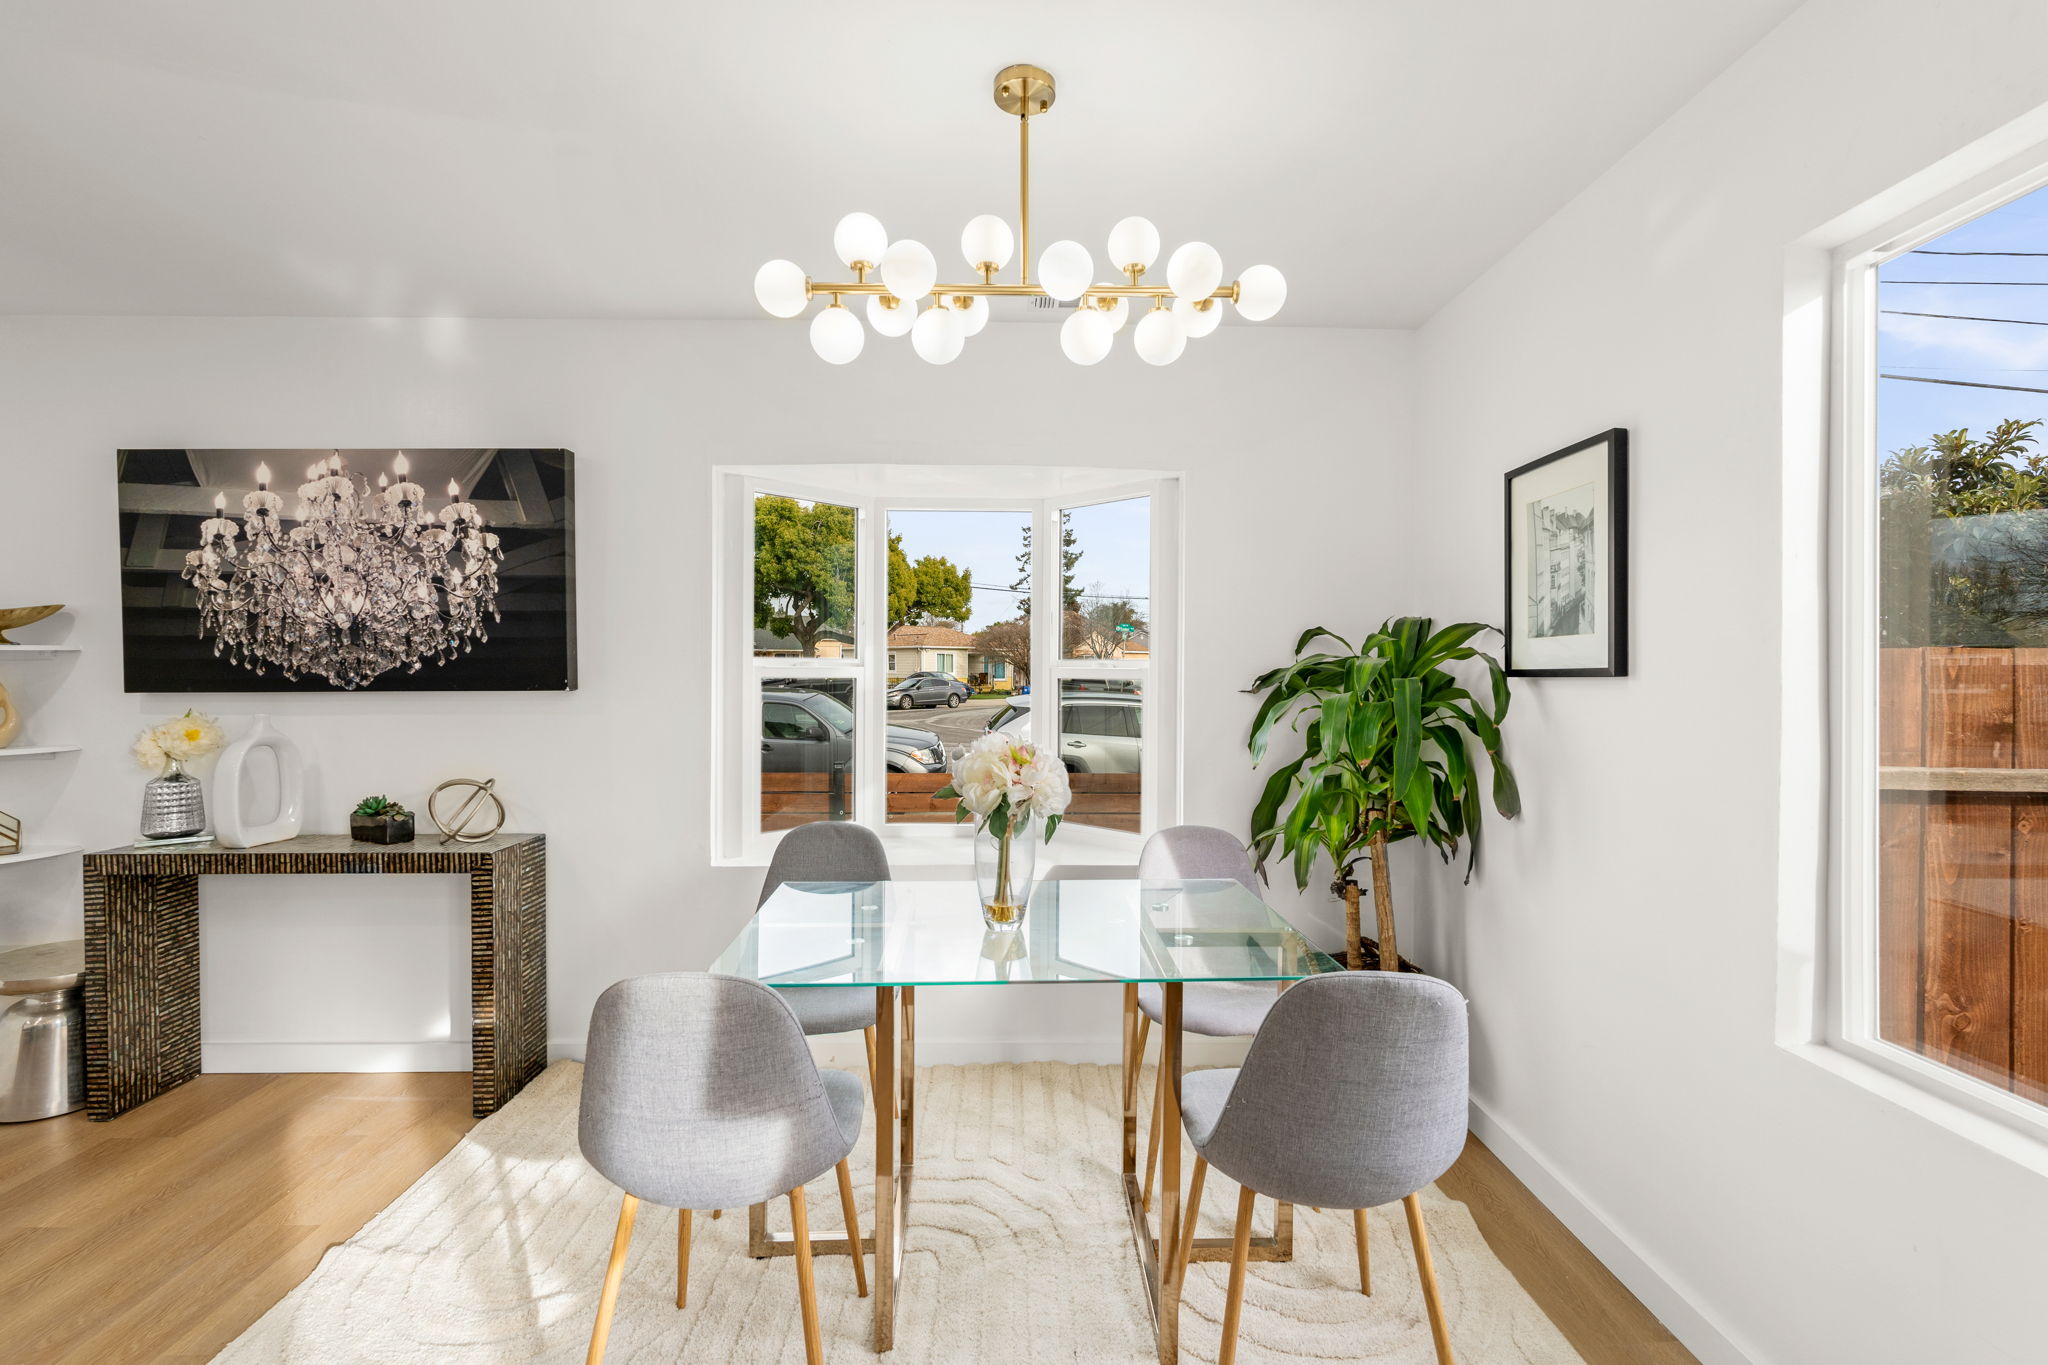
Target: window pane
[1106,578]
[807,738]
[959,641]
[1101,743]
[1963,668]
[804,559]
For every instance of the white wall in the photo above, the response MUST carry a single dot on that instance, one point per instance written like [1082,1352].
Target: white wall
[1621,948]
[1281,434]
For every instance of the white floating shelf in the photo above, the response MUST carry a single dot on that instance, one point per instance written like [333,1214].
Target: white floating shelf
[36,651]
[39,751]
[35,851]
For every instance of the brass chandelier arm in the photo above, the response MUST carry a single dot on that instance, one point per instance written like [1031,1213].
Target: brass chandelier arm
[813,288]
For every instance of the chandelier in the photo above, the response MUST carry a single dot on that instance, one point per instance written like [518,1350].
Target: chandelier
[368,581]
[1188,305]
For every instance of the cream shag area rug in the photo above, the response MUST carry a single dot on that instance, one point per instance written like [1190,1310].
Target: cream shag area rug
[1018,1250]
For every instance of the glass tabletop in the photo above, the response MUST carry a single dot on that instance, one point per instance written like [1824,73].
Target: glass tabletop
[931,934]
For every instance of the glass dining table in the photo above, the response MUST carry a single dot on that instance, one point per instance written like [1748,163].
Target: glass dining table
[899,935]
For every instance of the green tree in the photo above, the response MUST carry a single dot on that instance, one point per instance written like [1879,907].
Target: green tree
[1959,565]
[1069,557]
[931,589]
[803,569]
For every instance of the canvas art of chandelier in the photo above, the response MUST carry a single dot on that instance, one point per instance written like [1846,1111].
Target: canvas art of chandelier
[1190,304]
[371,579]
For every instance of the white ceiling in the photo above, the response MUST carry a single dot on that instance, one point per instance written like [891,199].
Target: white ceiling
[640,158]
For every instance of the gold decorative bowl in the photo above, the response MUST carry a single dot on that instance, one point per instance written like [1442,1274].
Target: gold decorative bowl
[10,617]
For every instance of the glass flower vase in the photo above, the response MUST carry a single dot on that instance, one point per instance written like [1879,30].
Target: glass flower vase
[1002,869]
[173,804]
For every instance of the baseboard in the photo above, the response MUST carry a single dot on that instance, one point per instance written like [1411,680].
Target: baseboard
[286,1057]
[1662,1293]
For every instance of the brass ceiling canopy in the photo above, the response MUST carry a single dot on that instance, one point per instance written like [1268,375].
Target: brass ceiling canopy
[1187,305]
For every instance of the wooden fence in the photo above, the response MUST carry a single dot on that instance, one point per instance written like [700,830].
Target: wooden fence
[1105,800]
[1963,860]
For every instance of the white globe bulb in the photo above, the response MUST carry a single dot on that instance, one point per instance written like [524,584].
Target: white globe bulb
[779,287]
[890,322]
[859,237]
[1160,338]
[938,335]
[1118,314]
[1198,322]
[1194,270]
[1133,241]
[909,270]
[976,316]
[987,239]
[836,334]
[1086,337]
[1066,270]
[1260,292]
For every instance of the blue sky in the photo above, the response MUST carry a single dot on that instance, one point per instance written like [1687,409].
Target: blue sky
[1114,540]
[1942,348]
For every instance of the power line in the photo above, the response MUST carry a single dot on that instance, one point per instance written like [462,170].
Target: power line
[1964,317]
[1963,383]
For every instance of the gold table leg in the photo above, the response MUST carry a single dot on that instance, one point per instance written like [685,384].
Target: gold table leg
[1169,1176]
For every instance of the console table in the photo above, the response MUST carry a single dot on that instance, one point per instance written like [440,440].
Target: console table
[142,954]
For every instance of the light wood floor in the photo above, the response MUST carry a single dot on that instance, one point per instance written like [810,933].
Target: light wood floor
[160,1236]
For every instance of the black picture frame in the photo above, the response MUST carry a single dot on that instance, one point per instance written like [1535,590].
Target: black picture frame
[1606,654]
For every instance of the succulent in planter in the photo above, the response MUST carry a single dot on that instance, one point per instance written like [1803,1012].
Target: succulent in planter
[380,820]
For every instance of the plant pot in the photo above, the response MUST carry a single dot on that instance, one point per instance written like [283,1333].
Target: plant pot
[380,829]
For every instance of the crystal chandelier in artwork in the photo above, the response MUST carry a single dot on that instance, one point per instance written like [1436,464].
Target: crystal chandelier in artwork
[370,579]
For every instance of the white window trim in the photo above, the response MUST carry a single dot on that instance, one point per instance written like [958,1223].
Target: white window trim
[738,840]
[1845,997]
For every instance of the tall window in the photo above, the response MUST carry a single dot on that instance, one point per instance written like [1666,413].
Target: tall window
[1946,922]
[872,627]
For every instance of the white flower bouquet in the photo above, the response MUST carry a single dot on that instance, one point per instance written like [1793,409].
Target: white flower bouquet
[1009,786]
[183,738]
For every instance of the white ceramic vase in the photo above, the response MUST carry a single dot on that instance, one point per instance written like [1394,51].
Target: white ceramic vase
[231,827]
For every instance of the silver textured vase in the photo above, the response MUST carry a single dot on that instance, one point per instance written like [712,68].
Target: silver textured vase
[173,805]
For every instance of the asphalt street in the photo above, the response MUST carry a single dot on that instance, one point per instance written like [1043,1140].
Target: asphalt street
[956,726]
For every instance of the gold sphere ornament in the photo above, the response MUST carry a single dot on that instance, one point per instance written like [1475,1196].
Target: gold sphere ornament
[464,826]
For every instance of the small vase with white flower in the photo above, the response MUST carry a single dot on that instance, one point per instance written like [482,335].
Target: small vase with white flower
[174,801]
[1016,791]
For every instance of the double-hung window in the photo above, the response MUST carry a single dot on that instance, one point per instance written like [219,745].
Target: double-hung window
[857,603]
[1939,950]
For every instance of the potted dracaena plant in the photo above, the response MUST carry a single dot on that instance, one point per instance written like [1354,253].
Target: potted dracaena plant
[1385,757]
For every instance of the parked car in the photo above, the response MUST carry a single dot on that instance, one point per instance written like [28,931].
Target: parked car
[805,731]
[928,689]
[1099,732]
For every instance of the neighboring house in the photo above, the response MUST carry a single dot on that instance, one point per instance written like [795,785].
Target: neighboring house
[831,645]
[944,649]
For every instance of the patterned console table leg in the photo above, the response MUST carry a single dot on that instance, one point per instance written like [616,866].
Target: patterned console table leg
[141,989]
[508,974]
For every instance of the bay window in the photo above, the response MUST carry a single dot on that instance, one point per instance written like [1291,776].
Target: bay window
[872,621]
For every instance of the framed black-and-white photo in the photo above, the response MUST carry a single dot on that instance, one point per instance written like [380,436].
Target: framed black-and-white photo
[1567,562]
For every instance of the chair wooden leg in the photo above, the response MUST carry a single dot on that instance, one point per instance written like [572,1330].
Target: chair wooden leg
[1152,1142]
[717,1214]
[683,1260]
[1137,1059]
[1426,1268]
[613,1273]
[869,1034]
[1240,1252]
[806,1281]
[1364,1256]
[860,1262]
[1192,1214]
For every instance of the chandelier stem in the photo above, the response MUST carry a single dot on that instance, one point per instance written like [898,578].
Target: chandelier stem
[1024,196]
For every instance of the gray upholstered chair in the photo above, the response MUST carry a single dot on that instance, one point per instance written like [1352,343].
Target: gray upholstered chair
[1353,1095]
[700,1093]
[830,851]
[1215,1009]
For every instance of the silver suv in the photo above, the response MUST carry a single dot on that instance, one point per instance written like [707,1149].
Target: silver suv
[1099,732]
